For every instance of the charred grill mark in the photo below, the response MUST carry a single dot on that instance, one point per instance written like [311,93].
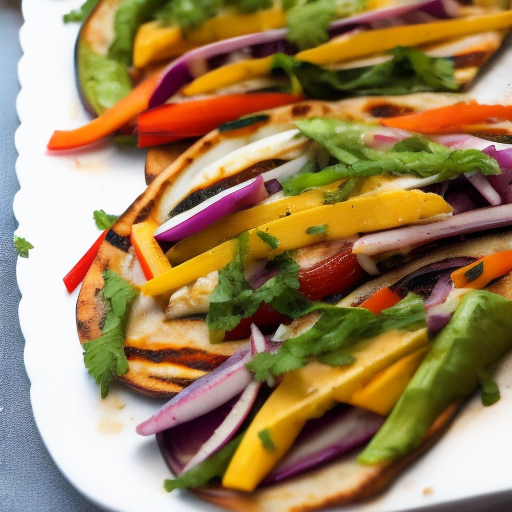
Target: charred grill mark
[182,383]
[384,109]
[190,358]
[471,59]
[120,242]
[504,137]
[198,196]
[83,329]
[145,212]
[300,110]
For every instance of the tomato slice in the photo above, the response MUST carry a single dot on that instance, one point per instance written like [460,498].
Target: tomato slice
[332,274]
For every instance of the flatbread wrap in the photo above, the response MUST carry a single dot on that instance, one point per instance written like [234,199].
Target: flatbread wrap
[416,212]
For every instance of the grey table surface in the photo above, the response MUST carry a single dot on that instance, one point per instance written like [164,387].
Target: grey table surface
[29,479]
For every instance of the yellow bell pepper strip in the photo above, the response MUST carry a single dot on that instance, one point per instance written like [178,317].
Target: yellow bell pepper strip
[109,122]
[450,119]
[480,273]
[307,393]
[341,220]
[156,41]
[352,46]
[151,257]
[236,223]
[384,390]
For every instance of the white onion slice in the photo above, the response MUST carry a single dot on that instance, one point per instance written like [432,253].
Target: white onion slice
[228,427]
[480,182]
[411,236]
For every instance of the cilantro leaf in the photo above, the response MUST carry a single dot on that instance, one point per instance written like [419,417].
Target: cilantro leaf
[308,23]
[22,246]
[78,15]
[334,332]
[408,71]
[104,356]
[188,14]
[104,220]
[233,298]
[308,20]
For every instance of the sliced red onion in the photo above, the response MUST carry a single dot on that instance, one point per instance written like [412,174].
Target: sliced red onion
[179,444]
[436,320]
[412,236]
[441,290]
[203,395]
[229,427]
[228,201]
[502,183]
[206,213]
[480,182]
[337,432]
[184,69]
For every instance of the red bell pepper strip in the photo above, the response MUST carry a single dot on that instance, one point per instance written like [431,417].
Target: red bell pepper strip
[151,257]
[193,118]
[450,119]
[110,121]
[380,300]
[77,274]
[480,273]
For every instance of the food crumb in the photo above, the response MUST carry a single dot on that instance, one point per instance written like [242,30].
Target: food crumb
[428,491]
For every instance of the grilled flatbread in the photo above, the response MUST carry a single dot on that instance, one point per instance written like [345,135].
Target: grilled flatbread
[165,356]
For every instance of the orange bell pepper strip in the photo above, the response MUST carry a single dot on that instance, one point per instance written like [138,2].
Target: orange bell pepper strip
[450,119]
[110,121]
[481,272]
[77,274]
[174,121]
[380,300]
[151,257]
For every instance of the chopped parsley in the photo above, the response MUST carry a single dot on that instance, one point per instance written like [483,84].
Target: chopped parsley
[22,246]
[270,240]
[104,220]
[104,357]
[266,440]
[333,333]
[321,229]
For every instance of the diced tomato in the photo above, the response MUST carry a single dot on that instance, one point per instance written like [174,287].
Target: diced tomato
[329,276]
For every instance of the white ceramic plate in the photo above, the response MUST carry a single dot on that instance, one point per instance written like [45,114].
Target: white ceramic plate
[93,441]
